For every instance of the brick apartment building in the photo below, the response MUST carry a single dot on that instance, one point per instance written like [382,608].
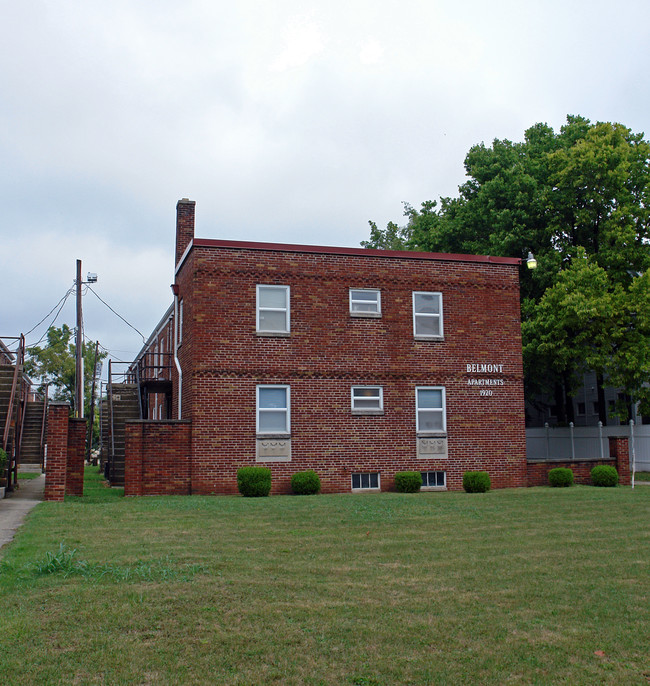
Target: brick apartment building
[356,363]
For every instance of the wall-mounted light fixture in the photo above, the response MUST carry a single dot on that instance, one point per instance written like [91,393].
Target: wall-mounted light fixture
[531,262]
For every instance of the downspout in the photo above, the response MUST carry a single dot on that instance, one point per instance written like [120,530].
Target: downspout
[176,360]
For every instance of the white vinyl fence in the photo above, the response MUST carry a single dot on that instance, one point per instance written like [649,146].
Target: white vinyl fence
[587,442]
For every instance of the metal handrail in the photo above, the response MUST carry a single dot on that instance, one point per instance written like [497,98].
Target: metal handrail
[109,392]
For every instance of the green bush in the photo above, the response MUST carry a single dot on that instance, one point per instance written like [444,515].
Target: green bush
[408,482]
[560,476]
[604,475]
[254,482]
[305,483]
[476,482]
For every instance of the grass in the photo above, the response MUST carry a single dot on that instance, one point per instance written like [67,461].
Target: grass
[519,586]
[28,475]
[642,476]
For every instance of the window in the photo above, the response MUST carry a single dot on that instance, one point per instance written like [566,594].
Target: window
[365,481]
[427,315]
[434,479]
[365,302]
[273,410]
[430,409]
[367,399]
[273,309]
[180,322]
[581,408]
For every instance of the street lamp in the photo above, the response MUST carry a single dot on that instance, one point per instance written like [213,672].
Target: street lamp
[531,262]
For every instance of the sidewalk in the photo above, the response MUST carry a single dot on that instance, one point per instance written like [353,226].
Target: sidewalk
[14,507]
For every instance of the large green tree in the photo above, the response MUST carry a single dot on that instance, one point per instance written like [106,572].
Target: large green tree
[53,364]
[579,200]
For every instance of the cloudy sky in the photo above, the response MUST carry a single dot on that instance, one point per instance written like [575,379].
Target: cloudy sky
[291,121]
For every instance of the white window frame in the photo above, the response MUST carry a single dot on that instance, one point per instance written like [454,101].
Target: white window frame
[442,410]
[429,315]
[286,410]
[365,313]
[259,309]
[426,487]
[367,410]
[365,488]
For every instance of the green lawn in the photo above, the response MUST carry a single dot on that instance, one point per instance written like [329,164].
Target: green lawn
[520,586]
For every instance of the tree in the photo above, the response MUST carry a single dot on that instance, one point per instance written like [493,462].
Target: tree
[579,200]
[54,365]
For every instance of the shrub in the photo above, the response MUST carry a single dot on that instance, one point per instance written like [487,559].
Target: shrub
[604,475]
[254,482]
[305,483]
[476,482]
[408,482]
[560,476]
[3,462]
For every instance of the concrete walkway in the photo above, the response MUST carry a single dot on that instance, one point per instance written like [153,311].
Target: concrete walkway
[15,506]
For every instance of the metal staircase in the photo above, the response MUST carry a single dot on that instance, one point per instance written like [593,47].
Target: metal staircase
[123,402]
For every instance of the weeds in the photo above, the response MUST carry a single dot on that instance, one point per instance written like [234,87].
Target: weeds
[66,562]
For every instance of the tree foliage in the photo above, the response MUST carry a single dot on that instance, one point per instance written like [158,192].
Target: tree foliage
[579,200]
[54,365]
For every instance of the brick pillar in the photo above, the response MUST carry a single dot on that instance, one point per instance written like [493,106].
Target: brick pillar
[184,225]
[133,476]
[620,451]
[77,430]
[57,450]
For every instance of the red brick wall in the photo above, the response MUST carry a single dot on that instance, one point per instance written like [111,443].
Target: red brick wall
[157,458]
[184,225]
[619,449]
[77,430]
[66,447]
[538,471]
[328,351]
[619,459]
[57,451]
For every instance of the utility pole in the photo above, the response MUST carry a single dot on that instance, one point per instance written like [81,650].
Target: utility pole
[79,387]
[89,441]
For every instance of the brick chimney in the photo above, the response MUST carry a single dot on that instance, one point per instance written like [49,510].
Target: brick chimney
[184,226]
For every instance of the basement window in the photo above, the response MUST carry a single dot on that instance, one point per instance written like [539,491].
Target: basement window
[434,480]
[365,481]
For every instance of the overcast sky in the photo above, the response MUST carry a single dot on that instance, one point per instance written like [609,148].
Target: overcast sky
[286,121]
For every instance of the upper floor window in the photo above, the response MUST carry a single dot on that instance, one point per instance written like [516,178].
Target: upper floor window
[427,314]
[273,309]
[365,302]
[430,409]
[273,409]
[367,400]
[180,322]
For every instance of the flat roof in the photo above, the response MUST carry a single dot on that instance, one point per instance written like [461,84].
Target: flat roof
[362,252]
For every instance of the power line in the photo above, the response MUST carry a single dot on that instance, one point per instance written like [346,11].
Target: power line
[144,340]
[63,299]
